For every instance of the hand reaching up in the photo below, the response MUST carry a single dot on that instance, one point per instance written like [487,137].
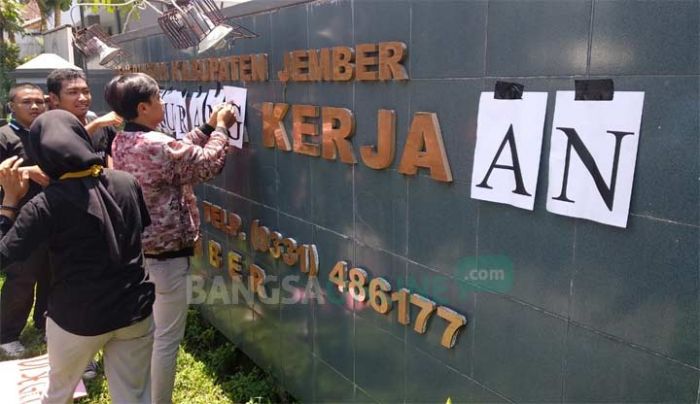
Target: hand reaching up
[214,114]
[227,116]
[14,182]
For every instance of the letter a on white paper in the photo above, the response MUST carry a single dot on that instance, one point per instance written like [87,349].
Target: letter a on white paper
[593,155]
[196,109]
[508,147]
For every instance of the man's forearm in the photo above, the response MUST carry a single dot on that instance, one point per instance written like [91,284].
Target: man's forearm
[92,127]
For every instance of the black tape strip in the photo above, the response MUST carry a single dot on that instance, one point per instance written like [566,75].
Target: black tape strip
[508,91]
[594,90]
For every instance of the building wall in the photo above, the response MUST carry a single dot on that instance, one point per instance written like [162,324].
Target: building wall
[594,314]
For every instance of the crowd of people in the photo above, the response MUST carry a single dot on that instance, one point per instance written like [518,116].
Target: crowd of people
[101,224]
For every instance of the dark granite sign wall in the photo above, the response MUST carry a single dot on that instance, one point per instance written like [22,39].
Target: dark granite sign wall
[558,309]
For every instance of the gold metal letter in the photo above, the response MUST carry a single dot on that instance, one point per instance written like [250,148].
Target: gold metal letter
[235,265]
[256,280]
[246,68]
[223,67]
[213,69]
[391,55]
[343,69]
[320,65]
[309,259]
[235,68]
[382,155]
[338,126]
[215,254]
[260,69]
[302,128]
[206,206]
[233,224]
[276,241]
[283,75]
[217,217]
[363,62]
[424,148]
[300,66]
[455,322]
[274,132]
[291,251]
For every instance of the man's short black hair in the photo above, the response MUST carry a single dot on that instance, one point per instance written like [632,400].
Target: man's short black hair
[55,80]
[22,86]
[124,93]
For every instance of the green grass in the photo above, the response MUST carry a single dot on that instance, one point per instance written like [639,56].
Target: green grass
[210,370]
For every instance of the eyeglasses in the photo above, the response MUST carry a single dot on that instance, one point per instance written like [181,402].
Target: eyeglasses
[30,103]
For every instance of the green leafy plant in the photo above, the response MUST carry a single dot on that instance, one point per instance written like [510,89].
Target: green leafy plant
[10,19]
[8,62]
[52,7]
[10,24]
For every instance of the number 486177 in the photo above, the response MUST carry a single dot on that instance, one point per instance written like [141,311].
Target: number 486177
[382,300]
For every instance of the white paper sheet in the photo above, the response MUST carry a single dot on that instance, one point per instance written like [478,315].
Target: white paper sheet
[589,124]
[168,124]
[213,99]
[237,96]
[178,113]
[501,126]
[196,109]
[25,380]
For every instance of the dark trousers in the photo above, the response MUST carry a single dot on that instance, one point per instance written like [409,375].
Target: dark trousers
[17,295]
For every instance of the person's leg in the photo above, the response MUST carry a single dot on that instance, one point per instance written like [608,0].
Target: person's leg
[16,300]
[42,273]
[169,315]
[127,359]
[68,354]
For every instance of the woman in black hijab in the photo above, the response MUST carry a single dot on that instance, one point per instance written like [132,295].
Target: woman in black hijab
[92,218]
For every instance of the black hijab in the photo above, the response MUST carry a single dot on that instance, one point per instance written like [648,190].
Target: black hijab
[62,145]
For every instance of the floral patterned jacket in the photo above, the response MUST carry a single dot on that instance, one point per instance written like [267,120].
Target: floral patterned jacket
[166,169]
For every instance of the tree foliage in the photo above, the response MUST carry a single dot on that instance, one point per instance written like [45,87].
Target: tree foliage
[53,7]
[10,24]
[10,19]
[9,60]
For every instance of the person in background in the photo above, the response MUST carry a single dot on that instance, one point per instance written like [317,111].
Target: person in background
[166,169]
[92,219]
[68,90]
[18,291]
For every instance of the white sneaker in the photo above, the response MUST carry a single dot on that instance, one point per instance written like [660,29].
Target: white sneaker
[13,349]
[90,370]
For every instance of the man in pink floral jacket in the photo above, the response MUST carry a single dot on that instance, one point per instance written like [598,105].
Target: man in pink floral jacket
[166,170]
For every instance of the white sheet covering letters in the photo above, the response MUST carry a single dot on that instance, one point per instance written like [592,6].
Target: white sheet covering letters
[593,155]
[237,96]
[508,146]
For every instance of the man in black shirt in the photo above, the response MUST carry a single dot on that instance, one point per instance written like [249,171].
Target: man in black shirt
[17,295]
[69,90]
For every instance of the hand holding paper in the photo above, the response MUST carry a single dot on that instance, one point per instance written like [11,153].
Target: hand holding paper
[226,116]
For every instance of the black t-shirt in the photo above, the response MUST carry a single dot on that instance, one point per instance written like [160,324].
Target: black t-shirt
[102,138]
[14,141]
[102,141]
[89,295]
